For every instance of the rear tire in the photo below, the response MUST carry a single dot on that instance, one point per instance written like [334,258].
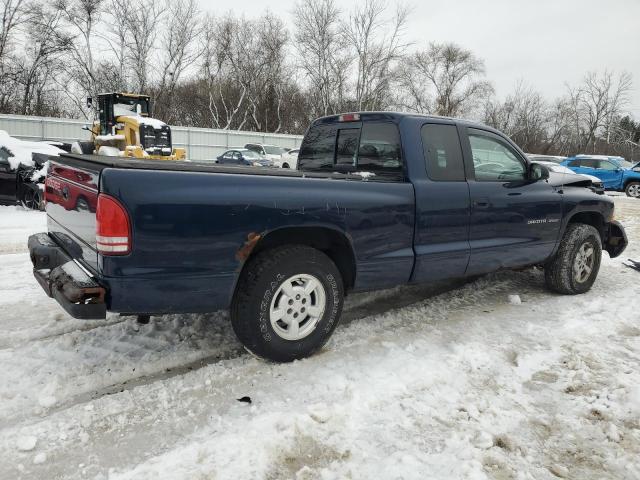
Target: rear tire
[632,189]
[575,266]
[272,290]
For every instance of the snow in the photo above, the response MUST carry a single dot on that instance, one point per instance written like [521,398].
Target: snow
[448,381]
[22,150]
[154,122]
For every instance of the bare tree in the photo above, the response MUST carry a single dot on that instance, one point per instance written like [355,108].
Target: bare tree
[13,14]
[178,44]
[44,44]
[378,43]
[523,116]
[143,21]
[446,79]
[323,58]
[81,17]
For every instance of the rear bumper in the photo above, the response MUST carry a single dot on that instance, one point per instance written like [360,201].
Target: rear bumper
[63,279]
[616,239]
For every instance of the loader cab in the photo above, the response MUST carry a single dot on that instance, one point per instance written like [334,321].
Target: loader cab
[113,105]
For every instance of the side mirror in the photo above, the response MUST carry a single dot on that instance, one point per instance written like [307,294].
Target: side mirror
[538,172]
[89,102]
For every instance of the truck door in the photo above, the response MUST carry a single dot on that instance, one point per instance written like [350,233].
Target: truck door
[441,241]
[514,221]
[609,173]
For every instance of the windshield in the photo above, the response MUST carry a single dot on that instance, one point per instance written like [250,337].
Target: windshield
[251,155]
[625,164]
[129,106]
[271,150]
[558,168]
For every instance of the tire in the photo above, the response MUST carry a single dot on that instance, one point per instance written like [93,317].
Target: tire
[285,165]
[261,290]
[32,198]
[632,189]
[562,273]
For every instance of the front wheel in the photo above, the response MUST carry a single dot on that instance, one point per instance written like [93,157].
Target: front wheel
[287,303]
[633,189]
[577,262]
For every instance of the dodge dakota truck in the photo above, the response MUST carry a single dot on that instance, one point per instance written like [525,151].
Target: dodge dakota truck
[378,200]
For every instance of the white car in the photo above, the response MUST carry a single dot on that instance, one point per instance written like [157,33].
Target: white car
[596,183]
[272,152]
[290,159]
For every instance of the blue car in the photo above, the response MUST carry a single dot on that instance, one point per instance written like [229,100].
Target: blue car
[615,172]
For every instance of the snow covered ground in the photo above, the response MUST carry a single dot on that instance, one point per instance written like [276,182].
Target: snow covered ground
[436,382]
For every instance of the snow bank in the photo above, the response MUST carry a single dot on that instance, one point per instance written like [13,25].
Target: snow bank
[22,150]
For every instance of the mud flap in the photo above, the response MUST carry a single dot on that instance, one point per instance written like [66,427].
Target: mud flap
[616,239]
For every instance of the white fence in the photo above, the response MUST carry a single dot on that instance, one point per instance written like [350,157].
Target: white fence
[201,143]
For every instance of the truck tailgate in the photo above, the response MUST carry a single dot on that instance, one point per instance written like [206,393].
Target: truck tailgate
[71,193]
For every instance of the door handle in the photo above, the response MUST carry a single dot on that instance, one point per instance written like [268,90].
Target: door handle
[481,203]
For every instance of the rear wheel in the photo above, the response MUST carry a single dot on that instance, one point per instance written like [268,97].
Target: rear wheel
[32,198]
[577,262]
[633,189]
[287,303]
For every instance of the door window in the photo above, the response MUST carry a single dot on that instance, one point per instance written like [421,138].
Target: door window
[442,153]
[494,160]
[605,165]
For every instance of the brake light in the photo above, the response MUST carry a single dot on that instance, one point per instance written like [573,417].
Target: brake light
[349,117]
[113,232]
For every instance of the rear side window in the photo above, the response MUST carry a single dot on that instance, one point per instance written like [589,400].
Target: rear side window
[443,153]
[370,147]
[347,146]
[380,150]
[318,148]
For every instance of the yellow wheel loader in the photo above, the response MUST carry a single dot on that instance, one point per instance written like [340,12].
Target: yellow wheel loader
[125,128]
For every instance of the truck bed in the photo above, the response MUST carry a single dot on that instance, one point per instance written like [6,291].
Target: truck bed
[100,162]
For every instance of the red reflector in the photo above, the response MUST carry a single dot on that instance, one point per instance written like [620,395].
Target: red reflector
[113,235]
[349,117]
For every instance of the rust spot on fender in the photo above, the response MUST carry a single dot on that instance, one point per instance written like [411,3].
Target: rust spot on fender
[243,253]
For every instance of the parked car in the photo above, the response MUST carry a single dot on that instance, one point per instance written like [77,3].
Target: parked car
[281,248]
[242,156]
[615,172]
[575,178]
[546,158]
[272,152]
[290,159]
[22,170]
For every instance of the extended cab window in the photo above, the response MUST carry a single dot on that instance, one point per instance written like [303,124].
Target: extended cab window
[442,153]
[370,147]
[494,160]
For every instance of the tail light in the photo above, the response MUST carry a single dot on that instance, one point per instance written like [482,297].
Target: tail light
[113,232]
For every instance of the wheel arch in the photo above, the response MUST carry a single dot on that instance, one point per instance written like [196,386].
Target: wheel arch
[334,243]
[595,219]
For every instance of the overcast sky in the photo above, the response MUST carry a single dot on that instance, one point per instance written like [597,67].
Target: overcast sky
[546,43]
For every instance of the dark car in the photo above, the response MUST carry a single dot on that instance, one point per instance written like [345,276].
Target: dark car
[243,156]
[379,199]
[22,184]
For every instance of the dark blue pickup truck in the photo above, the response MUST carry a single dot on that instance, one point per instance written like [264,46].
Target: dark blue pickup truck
[378,200]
